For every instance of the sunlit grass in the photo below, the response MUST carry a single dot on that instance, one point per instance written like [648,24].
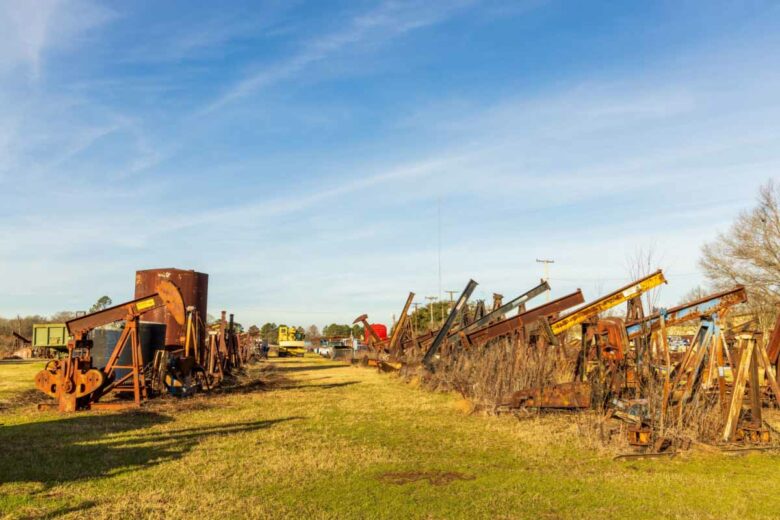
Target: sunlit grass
[319,439]
[17,375]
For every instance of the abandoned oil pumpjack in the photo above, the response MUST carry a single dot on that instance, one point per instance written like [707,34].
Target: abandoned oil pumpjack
[77,385]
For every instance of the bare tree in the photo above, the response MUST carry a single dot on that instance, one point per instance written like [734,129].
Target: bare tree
[697,293]
[644,261]
[312,332]
[749,253]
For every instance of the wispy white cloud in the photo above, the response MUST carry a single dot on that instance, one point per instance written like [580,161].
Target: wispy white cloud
[391,19]
[41,129]
[205,31]
[30,28]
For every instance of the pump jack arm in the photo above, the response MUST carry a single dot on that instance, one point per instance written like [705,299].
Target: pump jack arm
[167,295]
[604,303]
[701,308]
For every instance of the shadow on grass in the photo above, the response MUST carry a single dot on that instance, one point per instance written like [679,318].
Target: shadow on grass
[64,510]
[83,447]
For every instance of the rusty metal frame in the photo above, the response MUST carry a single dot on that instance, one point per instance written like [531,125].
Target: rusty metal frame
[575,394]
[73,381]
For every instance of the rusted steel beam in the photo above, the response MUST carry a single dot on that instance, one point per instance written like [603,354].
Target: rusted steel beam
[773,347]
[167,295]
[444,330]
[703,307]
[514,323]
[517,302]
[402,320]
[421,339]
[112,314]
[565,395]
[604,303]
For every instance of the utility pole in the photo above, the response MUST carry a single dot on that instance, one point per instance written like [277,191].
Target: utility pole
[452,300]
[431,299]
[414,318]
[546,272]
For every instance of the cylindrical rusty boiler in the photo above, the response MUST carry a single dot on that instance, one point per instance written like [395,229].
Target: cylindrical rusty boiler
[194,289]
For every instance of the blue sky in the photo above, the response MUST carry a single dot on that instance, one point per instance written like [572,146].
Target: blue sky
[298,152]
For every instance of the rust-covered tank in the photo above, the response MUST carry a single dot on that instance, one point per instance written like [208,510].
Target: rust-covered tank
[194,289]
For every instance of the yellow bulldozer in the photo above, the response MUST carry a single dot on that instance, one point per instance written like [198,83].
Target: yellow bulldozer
[291,342]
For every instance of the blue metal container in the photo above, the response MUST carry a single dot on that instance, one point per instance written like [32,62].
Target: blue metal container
[104,340]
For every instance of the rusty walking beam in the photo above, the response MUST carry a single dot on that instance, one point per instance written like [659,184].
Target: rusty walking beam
[604,303]
[517,302]
[167,295]
[371,336]
[402,319]
[459,305]
[514,323]
[701,308]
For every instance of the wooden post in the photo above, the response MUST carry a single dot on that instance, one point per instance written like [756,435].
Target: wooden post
[720,345]
[755,396]
[136,352]
[738,392]
[662,340]
[763,358]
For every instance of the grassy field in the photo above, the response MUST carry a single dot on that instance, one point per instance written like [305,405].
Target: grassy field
[317,439]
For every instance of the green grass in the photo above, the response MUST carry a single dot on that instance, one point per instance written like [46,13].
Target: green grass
[319,440]
[16,376]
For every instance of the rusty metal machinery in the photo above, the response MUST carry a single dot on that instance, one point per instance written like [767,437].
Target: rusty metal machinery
[576,394]
[572,394]
[194,291]
[76,384]
[372,338]
[623,365]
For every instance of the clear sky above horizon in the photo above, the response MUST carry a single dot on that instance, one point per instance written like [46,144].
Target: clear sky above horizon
[301,152]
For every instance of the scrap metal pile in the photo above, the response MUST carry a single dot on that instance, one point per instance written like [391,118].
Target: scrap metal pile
[112,353]
[565,354]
